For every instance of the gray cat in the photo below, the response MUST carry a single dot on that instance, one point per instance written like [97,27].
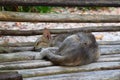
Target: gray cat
[77,49]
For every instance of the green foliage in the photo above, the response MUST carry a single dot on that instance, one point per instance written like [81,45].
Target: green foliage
[41,9]
[44,9]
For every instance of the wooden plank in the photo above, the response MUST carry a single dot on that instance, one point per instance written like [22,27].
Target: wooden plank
[109,49]
[111,55]
[27,55]
[30,55]
[61,70]
[24,64]
[37,17]
[80,3]
[28,64]
[93,75]
[109,46]
[28,44]
[59,31]
[104,50]
[108,42]
[109,59]
[20,49]
[21,44]
[14,49]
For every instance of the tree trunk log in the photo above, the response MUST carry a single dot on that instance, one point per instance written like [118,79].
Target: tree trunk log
[59,31]
[37,17]
[80,3]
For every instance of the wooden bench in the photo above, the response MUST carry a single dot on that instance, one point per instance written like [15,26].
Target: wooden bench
[106,68]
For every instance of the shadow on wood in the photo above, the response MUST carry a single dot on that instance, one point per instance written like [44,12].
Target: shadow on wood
[10,76]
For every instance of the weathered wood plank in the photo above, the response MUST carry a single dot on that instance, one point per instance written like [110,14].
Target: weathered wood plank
[24,64]
[61,70]
[109,46]
[105,49]
[28,64]
[20,49]
[37,17]
[15,49]
[111,55]
[59,31]
[108,42]
[25,61]
[21,44]
[28,44]
[109,59]
[93,75]
[80,3]
[109,49]
[29,55]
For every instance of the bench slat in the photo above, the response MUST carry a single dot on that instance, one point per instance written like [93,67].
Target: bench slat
[61,70]
[80,3]
[94,75]
[37,17]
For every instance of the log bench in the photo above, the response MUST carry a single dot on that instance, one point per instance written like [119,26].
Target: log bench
[23,62]
[107,67]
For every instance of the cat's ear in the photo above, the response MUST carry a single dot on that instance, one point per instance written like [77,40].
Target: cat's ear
[46,33]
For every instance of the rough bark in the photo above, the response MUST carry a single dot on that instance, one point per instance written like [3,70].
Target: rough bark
[80,3]
[36,17]
[59,31]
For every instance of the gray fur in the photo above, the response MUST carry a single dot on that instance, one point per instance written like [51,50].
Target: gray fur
[77,49]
